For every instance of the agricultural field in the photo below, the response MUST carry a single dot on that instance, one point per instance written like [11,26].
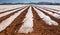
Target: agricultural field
[29,19]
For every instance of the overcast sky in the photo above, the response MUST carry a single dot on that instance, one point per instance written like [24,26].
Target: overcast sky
[27,1]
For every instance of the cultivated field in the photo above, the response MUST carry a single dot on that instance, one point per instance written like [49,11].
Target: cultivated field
[29,19]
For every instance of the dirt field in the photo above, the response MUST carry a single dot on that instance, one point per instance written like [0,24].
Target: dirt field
[39,26]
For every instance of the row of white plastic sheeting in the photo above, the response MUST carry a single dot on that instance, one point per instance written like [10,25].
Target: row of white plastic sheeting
[28,23]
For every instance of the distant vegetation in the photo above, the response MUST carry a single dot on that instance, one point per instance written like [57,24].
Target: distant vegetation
[40,3]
